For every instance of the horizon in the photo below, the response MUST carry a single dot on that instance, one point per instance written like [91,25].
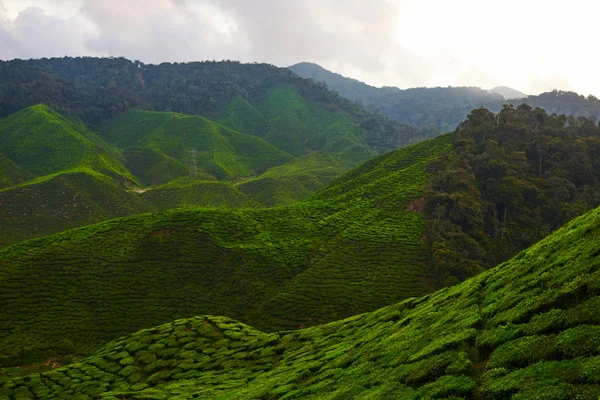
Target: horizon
[390,43]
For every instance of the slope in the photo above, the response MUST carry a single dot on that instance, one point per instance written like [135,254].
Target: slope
[283,267]
[300,127]
[527,329]
[158,147]
[190,192]
[42,142]
[63,201]
[295,180]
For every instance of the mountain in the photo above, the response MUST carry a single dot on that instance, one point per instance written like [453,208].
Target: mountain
[508,93]
[96,90]
[526,329]
[442,109]
[353,250]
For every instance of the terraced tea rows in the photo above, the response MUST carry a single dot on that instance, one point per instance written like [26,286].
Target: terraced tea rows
[275,268]
[188,192]
[527,329]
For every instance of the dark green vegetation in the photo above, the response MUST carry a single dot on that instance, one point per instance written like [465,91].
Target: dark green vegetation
[527,329]
[433,109]
[511,179]
[353,247]
[96,90]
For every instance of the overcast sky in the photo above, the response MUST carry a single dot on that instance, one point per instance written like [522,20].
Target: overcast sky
[530,45]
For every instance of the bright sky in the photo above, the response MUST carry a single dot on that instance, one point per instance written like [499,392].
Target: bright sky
[529,45]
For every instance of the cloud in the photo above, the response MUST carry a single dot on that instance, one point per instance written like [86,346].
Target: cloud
[382,42]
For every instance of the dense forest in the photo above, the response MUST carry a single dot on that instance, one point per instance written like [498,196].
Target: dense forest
[510,180]
[97,89]
[442,108]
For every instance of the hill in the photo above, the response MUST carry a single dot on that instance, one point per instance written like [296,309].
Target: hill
[442,109]
[507,93]
[158,146]
[42,142]
[283,267]
[526,329]
[296,180]
[55,174]
[190,192]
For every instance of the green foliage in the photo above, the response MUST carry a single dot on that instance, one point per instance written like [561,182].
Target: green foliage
[42,142]
[437,346]
[96,90]
[278,268]
[510,180]
[189,192]
[162,152]
[436,110]
[295,180]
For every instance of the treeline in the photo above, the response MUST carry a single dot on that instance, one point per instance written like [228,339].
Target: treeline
[97,89]
[441,108]
[510,180]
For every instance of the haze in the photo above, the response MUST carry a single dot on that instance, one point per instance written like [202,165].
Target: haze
[532,46]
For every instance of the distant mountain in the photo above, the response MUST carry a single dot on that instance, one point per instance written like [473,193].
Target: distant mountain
[507,93]
[442,109]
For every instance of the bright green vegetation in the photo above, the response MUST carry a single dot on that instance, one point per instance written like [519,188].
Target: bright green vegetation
[189,192]
[527,329]
[158,147]
[277,268]
[42,142]
[295,180]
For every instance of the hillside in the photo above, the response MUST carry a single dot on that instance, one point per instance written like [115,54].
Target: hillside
[277,268]
[158,147]
[63,201]
[296,180]
[526,329]
[42,142]
[190,192]
[442,109]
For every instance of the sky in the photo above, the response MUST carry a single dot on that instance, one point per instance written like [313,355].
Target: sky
[529,45]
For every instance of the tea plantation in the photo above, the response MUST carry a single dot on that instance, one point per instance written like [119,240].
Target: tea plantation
[527,329]
[274,268]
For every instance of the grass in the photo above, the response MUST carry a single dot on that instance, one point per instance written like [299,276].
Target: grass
[527,329]
[274,268]
[157,147]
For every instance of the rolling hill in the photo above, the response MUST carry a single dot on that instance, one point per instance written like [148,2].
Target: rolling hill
[527,329]
[157,147]
[41,142]
[354,250]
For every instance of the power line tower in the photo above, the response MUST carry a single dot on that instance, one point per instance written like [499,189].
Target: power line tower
[193,168]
